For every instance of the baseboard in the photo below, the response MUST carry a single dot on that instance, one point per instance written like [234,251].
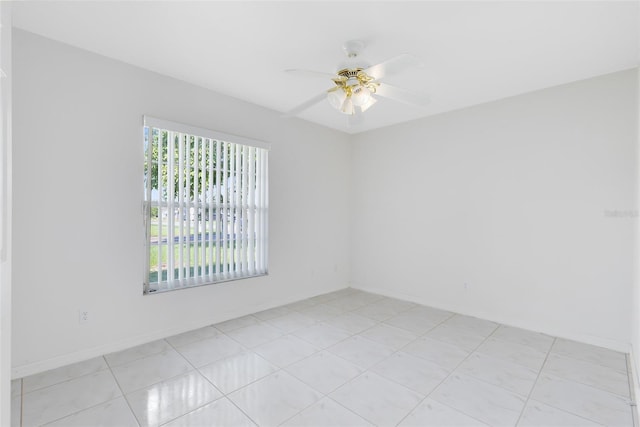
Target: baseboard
[623,347]
[90,353]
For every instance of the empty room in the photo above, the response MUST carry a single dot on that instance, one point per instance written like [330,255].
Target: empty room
[319,213]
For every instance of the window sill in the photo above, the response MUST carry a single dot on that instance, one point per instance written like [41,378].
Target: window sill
[159,288]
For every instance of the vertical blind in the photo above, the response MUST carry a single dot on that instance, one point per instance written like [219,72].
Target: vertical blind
[206,202]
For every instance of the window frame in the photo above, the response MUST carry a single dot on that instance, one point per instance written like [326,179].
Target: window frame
[240,205]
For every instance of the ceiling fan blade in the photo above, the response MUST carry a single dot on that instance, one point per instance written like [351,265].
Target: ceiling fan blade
[402,95]
[393,66]
[309,73]
[300,108]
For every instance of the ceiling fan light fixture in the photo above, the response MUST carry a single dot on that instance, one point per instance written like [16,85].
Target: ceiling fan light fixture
[356,83]
[347,107]
[336,97]
[360,95]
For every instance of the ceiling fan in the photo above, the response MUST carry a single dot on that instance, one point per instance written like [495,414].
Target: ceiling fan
[358,84]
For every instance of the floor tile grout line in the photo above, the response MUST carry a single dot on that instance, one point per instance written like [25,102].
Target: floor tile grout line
[475,351]
[245,346]
[283,369]
[549,353]
[558,375]
[592,362]
[252,350]
[582,359]
[223,397]
[184,357]
[296,378]
[124,396]
[490,383]
[86,409]
[396,351]
[304,408]
[326,395]
[564,411]
[227,395]
[348,409]
[195,369]
[402,348]
[216,325]
[341,311]
[278,368]
[553,405]
[378,322]
[418,336]
[223,394]
[448,376]
[411,342]
[110,367]
[632,393]
[240,409]
[23,394]
[533,387]
[566,356]
[352,334]
[64,381]
[137,358]
[21,401]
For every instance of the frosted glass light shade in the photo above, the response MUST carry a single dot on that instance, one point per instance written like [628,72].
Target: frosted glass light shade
[347,107]
[361,95]
[336,98]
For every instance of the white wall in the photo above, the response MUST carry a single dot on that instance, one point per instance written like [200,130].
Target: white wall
[510,198]
[77,208]
[5,213]
[513,198]
[635,319]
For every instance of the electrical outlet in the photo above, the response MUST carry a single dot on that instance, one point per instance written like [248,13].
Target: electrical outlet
[83,316]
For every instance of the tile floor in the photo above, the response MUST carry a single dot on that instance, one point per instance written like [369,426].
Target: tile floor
[347,358]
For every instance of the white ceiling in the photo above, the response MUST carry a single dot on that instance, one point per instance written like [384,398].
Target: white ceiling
[473,52]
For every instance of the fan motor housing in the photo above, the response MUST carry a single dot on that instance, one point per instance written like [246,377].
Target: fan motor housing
[349,72]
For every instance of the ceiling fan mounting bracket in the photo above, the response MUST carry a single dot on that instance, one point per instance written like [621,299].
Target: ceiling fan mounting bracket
[353,48]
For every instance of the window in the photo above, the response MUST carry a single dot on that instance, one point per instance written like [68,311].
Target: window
[205,205]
